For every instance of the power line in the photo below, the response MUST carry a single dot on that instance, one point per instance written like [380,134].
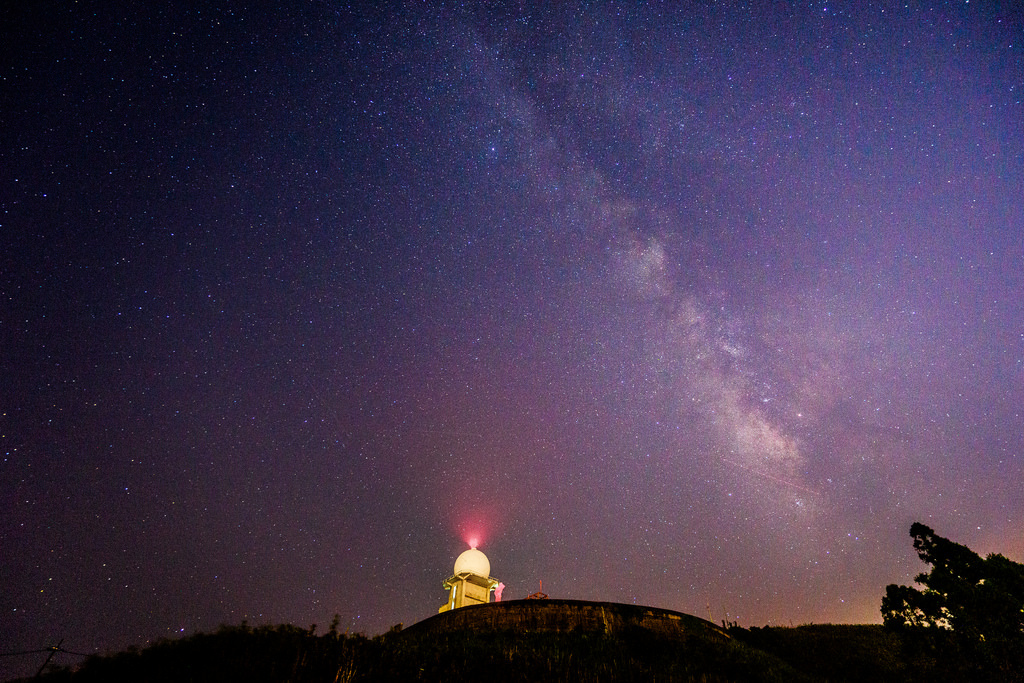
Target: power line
[52,648]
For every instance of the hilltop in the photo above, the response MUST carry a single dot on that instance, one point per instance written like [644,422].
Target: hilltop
[552,640]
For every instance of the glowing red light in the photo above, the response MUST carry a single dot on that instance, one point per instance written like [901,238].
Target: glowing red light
[474,526]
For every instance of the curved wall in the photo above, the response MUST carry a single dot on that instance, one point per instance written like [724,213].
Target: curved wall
[565,616]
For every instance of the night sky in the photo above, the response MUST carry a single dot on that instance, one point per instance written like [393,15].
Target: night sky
[691,305]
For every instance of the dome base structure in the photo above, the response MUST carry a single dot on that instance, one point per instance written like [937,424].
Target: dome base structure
[467,589]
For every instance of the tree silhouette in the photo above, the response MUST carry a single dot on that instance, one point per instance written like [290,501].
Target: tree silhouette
[977,602]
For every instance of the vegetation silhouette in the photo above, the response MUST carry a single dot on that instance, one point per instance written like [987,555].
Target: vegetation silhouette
[967,624]
[288,653]
[970,613]
[296,655]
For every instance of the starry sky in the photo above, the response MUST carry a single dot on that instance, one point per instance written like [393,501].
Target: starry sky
[692,305]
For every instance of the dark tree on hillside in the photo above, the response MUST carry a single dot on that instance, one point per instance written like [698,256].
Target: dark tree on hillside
[978,602]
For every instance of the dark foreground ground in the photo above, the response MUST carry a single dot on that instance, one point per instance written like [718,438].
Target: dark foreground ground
[556,642]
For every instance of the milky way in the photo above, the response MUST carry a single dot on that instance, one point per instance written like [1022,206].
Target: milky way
[691,307]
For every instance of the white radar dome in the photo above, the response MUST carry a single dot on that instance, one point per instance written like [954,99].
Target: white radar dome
[473,561]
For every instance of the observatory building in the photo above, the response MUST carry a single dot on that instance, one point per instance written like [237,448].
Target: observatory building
[471,583]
